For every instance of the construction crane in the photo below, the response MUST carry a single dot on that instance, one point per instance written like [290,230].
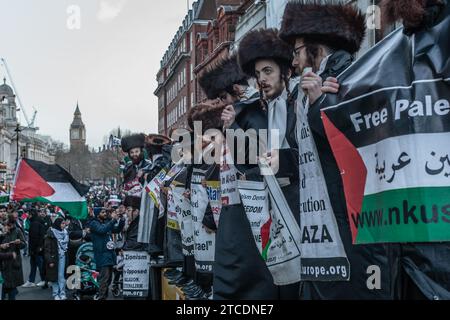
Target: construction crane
[33,119]
[30,124]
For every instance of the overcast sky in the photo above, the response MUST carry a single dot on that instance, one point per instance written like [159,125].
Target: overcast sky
[109,65]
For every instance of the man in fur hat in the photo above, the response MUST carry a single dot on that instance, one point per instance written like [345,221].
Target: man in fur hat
[235,247]
[198,173]
[136,168]
[226,81]
[325,37]
[264,56]
[158,148]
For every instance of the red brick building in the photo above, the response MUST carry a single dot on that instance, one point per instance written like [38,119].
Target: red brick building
[209,32]
[214,44]
[177,91]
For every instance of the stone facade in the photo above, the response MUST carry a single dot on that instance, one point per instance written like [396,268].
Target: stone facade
[19,142]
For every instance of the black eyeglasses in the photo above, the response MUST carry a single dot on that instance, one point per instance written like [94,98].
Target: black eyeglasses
[296,51]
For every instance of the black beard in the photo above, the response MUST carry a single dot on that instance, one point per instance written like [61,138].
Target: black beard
[137,160]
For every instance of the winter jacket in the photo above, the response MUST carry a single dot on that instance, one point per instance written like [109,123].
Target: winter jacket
[51,256]
[76,239]
[47,221]
[6,256]
[239,270]
[12,269]
[36,235]
[250,115]
[101,234]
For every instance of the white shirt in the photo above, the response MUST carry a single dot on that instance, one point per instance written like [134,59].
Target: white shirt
[277,113]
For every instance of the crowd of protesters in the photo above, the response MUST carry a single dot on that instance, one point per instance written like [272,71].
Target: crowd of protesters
[50,238]
[210,245]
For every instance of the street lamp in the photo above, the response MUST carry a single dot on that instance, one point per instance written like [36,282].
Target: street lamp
[18,131]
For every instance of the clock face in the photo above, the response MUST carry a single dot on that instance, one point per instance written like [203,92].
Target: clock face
[74,135]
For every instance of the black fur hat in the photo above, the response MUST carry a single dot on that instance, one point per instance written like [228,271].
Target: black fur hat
[338,25]
[133,141]
[209,113]
[415,14]
[157,140]
[221,76]
[132,201]
[262,44]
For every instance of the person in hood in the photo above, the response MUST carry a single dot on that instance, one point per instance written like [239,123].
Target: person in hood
[55,248]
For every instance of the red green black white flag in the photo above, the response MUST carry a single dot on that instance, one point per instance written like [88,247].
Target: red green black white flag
[36,181]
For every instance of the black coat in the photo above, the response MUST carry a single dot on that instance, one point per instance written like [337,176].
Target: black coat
[239,270]
[6,256]
[158,227]
[249,115]
[360,257]
[36,235]
[12,269]
[417,270]
[47,221]
[51,256]
[101,234]
[131,236]
[75,231]
[162,162]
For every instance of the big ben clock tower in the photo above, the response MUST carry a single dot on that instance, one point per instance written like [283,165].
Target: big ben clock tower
[77,132]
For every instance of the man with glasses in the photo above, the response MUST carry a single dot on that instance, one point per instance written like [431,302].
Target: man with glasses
[325,38]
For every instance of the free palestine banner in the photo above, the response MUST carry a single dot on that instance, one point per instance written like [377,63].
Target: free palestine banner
[36,181]
[389,129]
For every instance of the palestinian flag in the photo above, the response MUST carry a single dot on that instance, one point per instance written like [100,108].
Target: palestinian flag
[39,182]
[389,130]
[392,147]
